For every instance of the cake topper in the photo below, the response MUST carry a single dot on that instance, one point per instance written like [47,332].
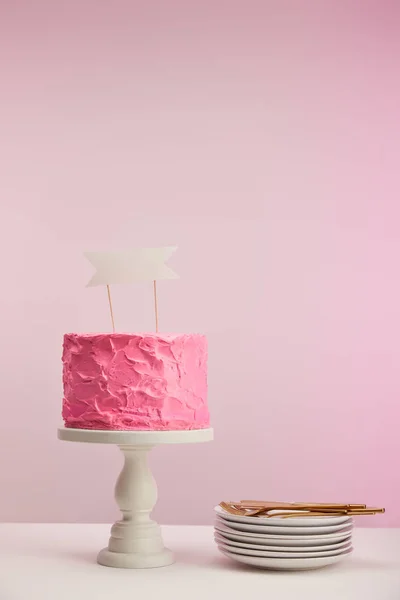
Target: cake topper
[131,266]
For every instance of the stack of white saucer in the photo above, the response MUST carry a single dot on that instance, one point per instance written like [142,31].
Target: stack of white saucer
[296,543]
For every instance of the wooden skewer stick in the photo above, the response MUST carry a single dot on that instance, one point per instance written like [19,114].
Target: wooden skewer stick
[155,303]
[111,308]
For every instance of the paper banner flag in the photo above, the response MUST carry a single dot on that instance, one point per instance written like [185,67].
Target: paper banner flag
[141,264]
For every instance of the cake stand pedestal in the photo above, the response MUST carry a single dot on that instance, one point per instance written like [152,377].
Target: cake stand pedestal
[135,541]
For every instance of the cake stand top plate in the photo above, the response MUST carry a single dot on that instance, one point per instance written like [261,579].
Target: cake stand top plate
[135,438]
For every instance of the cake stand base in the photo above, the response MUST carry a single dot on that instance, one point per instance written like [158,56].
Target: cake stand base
[136,541]
[120,560]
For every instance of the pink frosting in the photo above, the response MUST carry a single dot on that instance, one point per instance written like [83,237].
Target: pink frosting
[135,381]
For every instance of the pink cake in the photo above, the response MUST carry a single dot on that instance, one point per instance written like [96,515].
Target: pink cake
[135,381]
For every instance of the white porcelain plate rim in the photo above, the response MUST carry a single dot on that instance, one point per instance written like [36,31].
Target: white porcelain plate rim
[280,554]
[292,522]
[219,537]
[286,564]
[283,530]
[289,539]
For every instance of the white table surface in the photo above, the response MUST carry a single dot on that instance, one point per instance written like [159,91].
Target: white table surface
[58,561]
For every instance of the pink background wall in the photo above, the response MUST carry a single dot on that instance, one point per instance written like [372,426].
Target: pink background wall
[263,139]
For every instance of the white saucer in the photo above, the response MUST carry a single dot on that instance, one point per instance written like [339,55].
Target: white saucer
[292,522]
[277,554]
[221,538]
[278,540]
[284,530]
[286,564]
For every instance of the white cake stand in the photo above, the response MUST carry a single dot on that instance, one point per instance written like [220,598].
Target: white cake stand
[135,541]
